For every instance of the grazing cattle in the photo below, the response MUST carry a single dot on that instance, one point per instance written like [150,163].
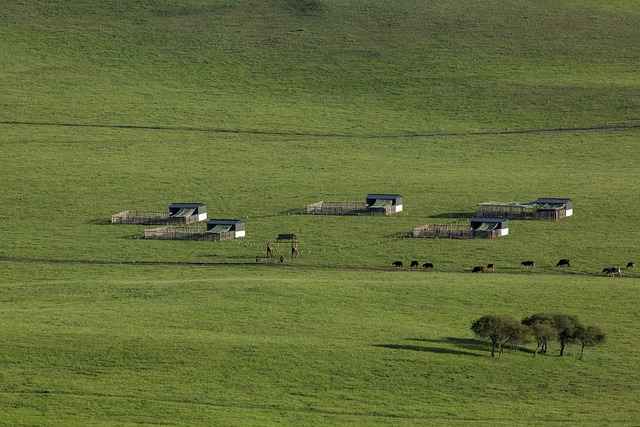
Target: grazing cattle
[414,263]
[491,267]
[281,259]
[527,264]
[269,250]
[612,271]
[631,264]
[397,263]
[478,269]
[427,265]
[563,263]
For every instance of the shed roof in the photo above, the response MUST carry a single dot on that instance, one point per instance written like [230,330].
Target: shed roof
[553,200]
[221,225]
[383,196]
[185,205]
[224,221]
[494,219]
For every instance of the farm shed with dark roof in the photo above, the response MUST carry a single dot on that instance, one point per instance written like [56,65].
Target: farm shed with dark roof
[375,204]
[178,213]
[483,225]
[234,227]
[389,202]
[186,210]
[476,228]
[565,205]
[216,229]
[543,208]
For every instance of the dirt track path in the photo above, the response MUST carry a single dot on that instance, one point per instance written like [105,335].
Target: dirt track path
[329,135]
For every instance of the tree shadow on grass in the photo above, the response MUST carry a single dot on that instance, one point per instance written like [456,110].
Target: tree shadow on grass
[464,343]
[438,350]
[471,344]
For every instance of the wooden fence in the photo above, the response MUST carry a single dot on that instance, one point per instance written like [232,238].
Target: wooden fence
[150,217]
[347,208]
[520,212]
[186,233]
[453,230]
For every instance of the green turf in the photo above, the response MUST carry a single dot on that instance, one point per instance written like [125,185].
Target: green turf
[199,345]
[259,108]
[359,67]
[64,188]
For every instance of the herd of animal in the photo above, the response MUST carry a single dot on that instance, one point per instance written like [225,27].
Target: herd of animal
[608,271]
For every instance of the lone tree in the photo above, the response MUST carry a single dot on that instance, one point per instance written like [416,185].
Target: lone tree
[501,330]
[589,336]
[567,327]
[542,329]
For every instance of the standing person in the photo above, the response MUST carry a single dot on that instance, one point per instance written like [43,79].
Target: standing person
[294,251]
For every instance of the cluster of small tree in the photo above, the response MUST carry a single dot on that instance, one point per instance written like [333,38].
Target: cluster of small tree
[541,328]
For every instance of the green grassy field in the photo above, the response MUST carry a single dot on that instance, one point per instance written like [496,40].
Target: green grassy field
[260,108]
[202,345]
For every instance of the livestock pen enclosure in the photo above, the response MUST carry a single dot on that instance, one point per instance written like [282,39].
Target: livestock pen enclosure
[258,108]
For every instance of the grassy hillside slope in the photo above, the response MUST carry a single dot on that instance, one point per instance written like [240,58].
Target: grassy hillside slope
[125,345]
[311,66]
[258,108]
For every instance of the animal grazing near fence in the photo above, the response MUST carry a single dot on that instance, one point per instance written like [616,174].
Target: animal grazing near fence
[491,267]
[478,269]
[563,263]
[282,259]
[397,263]
[612,271]
[414,263]
[428,265]
[631,265]
[527,264]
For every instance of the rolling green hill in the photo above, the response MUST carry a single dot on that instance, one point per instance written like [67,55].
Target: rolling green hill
[329,67]
[259,108]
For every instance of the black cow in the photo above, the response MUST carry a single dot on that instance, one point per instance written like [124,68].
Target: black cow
[397,263]
[631,264]
[491,267]
[563,263]
[478,269]
[414,263]
[427,265]
[527,264]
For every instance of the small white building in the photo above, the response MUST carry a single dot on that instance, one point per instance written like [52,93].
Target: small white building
[232,228]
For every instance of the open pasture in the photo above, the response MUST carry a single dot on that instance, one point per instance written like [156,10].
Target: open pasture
[258,108]
[245,346]
[69,182]
[322,66]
